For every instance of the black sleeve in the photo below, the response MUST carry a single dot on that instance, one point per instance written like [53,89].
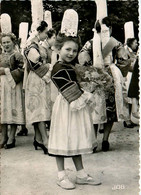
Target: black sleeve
[18,72]
[65,82]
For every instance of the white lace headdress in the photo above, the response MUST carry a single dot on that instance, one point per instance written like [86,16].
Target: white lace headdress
[128,30]
[101,10]
[23,33]
[36,11]
[37,16]
[97,39]
[48,19]
[6,26]
[69,25]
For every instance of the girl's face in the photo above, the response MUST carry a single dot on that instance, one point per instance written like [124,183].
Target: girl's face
[43,35]
[7,44]
[69,51]
[52,40]
[134,45]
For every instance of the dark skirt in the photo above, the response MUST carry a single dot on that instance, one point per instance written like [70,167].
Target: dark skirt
[111,108]
[110,102]
[133,91]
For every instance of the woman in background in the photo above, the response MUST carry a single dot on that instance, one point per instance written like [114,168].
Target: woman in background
[37,90]
[132,81]
[11,73]
[113,106]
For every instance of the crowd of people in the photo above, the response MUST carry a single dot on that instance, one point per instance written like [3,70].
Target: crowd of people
[75,114]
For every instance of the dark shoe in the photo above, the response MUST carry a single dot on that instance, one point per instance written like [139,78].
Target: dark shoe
[131,125]
[105,146]
[101,130]
[37,144]
[4,142]
[94,150]
[44,149]
[12,145]
[23,132]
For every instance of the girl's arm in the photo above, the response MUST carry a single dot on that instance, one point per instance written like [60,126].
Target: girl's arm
[65,81]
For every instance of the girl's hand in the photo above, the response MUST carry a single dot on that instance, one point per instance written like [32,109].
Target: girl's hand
[2,72]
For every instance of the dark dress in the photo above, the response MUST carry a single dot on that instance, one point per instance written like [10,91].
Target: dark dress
[133,91]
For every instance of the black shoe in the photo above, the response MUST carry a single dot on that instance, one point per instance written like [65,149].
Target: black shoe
[37,144]
[101,130]
[105,146]
[12,145]
[94,150]
[4,142]
[131,125]
[23,132]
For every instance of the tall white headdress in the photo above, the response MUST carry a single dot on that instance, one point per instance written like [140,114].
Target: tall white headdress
[128,30]
[48,18]
[23,33]
[105,31]
[98,38]
[69,25]
[6,26]
[101,9]
[102,13]
[37,13]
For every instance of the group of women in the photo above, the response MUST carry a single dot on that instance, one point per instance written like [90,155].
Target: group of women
[35,98]
[37,67]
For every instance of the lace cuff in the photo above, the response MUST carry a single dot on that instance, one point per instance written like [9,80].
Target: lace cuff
[47,76]
[82,101]
[10,79]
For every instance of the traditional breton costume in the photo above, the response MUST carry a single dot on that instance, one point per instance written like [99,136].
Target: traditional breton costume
[11,83]
[37,89]
[71,131]
[113,106]
[11,88]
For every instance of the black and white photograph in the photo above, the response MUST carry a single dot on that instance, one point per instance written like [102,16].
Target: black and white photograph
[69,97]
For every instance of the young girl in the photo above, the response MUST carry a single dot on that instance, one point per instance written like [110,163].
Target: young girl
[71,132]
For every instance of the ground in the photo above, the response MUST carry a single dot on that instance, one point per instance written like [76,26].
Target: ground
[25,171]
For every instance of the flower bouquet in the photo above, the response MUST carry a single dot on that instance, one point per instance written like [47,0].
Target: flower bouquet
[93,79]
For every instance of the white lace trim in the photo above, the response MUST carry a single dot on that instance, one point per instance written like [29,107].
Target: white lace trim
[82,101]
[47,76]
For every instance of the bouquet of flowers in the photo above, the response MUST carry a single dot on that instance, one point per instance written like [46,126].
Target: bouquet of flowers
[93,79]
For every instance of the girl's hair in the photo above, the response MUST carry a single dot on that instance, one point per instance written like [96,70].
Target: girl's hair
[62,38]
[51,32]
[11,35]
[105,21]
[42,26]
[130,41]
